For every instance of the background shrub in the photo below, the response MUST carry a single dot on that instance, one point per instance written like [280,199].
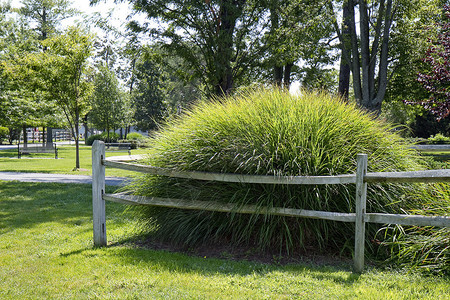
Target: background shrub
[274,133]
[135,136]
[90,140]
[438,139]
[136,140]
[113,138]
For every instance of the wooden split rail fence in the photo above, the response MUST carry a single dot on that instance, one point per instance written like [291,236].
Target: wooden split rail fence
[360,217]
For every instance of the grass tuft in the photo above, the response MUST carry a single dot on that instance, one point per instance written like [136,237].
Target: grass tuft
[274,133]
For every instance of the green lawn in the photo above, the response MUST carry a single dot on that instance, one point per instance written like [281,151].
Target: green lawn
[46,252]
[45,162]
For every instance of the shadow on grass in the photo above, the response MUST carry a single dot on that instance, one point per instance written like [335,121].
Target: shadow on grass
[23,205]
[163,260]
[28,171]
[12,153]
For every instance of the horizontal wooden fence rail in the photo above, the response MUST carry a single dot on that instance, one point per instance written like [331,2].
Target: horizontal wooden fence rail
[431,148]
[408,177]
[228,207]
[240,178]
[360,217]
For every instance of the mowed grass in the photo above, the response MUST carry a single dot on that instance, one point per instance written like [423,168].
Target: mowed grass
[65,164]
[46,251]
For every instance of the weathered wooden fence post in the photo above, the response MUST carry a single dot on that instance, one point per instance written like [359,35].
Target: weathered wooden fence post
[98,189]
[360,228]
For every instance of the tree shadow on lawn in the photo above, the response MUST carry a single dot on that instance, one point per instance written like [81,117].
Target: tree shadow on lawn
[182,262]
[23,205]
[10,153]
[27,171]
[208,261]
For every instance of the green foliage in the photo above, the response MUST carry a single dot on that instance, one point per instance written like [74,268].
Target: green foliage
[410,40]
[14,135]
[220,41]
[147,95]
[179,88]
[20,106]
[90,140]
[273,133]
[300,31]
[112,137]
[47,14]
[438,139]
[108,104]
[61,72]
[423,248]
[21,31]
[4,132]
[54,77]
[135,139]
[135,136]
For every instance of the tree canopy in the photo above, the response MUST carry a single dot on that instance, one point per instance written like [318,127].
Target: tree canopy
[437,81]
[58,75]
[180,51]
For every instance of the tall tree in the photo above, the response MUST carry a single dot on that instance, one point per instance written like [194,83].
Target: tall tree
[107,103]
[21,108]
[415,27]
[369,49]
[47,14]
[344,67]
[68,58]
[437,80]
[61,72]
[220,39]
[147,94]
[300,32]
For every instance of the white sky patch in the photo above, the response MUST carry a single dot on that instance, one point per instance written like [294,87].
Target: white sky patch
[115,14]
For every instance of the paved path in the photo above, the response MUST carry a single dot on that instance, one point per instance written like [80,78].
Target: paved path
[45,177]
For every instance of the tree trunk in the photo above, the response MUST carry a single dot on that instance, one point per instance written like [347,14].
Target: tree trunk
[383,68]
[49,143]
[230,11]
[277,69]
[25,136]
[355,54]
[77,138]
[86,128]
[107,131]
[365,53]
[44,23]
[287,76]
[43,137]
[277,75]
[86,132]
[369,94]
[344,68]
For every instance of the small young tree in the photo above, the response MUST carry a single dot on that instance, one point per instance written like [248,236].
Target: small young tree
[61,72]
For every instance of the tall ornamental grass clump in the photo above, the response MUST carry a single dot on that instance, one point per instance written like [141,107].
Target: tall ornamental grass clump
[277,134]
[422,248]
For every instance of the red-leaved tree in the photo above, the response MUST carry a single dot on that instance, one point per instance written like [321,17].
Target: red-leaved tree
[437,80]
